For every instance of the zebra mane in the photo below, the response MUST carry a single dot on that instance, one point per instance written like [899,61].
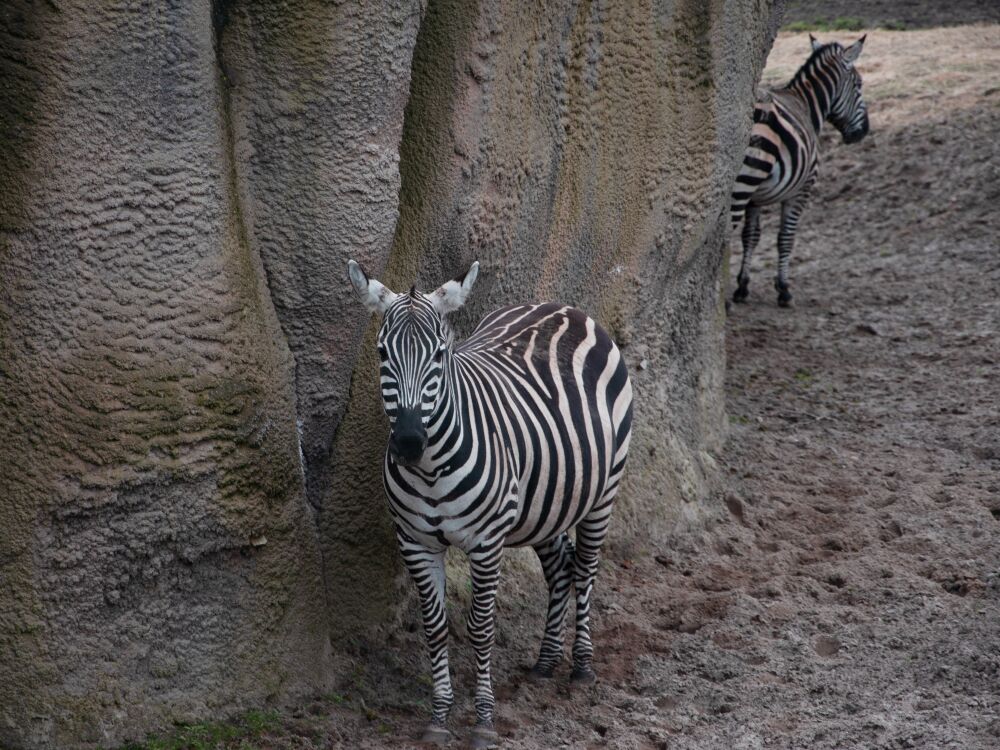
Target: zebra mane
[813,62]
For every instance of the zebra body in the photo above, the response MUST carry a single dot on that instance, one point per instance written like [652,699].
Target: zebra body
[782,147]
[781,161]
[512,438]
[542,446]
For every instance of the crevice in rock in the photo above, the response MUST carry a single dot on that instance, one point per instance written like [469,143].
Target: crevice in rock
[221,15]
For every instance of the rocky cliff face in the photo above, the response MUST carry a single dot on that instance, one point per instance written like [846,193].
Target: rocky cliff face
[192,508]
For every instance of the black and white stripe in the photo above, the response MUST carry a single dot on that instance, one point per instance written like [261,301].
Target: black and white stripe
[514,437]
[780,163]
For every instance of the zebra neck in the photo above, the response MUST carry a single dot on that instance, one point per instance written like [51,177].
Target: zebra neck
[816,98]
[816,83]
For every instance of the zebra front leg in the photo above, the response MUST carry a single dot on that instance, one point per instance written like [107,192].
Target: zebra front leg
[556,557]
[750,237]
[791,210]
[426,567]
[485,564]
[590,534]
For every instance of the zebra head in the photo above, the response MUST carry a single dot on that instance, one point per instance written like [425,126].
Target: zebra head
[848,111]
[414,347]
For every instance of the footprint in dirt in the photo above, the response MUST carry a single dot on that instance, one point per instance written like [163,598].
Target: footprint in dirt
[826,646]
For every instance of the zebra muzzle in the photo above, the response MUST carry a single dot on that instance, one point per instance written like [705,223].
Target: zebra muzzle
[856,134]
[408,438]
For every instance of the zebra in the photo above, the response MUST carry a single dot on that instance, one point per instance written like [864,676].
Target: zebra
[513,437]
[780,162]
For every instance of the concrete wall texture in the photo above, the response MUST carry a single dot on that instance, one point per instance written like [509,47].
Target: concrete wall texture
[190,497]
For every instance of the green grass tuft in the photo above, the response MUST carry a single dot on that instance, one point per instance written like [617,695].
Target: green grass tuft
[237,734]
[845,23]
[837,24]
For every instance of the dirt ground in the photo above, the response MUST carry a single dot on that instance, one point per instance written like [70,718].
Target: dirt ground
[849,594]
[897,14]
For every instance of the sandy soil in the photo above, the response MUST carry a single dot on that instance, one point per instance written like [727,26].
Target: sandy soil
[848,595]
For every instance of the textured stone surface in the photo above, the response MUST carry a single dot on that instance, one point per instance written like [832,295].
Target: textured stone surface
[317,95]
[192,505]
[158,559]
[585,154]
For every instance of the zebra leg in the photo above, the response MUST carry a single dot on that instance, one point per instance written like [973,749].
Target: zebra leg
[426,567]
[485,566]
[750,237]
[556,557]
[791,210]
[590,534]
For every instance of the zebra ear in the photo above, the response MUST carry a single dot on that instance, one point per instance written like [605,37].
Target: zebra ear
[816,44]
[451,295]
[374,295]
[854,51]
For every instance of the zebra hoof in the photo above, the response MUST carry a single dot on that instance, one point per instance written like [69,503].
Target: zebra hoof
[483,738]
[784,296]
[437,735]
[582,677]
[741,294]
[540,674]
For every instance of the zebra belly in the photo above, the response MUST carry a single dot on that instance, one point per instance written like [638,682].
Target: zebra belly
[770,190]
[535,524]
[775,190]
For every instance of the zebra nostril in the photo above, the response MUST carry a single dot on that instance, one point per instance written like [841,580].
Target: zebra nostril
[407,447]
[853,136]
[409,436]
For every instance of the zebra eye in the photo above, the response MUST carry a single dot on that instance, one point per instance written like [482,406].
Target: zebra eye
[439,354]
[383,352]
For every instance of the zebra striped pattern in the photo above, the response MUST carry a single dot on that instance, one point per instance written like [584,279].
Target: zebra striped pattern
[780,164]
[513,437]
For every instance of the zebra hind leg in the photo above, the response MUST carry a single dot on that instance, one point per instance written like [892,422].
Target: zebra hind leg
[791,210]
[590,534]
[485,566]
[556,557]
[750,237]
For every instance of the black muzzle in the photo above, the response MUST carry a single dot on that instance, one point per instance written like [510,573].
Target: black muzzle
[408,438]
[856,134]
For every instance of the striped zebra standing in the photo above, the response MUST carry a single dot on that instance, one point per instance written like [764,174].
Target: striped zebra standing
[780,163]
[511,438]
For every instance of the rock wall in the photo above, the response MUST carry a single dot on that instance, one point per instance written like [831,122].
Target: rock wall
[192,510]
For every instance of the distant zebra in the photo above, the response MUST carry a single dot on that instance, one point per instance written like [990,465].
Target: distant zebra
[511,438]
[780,163]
